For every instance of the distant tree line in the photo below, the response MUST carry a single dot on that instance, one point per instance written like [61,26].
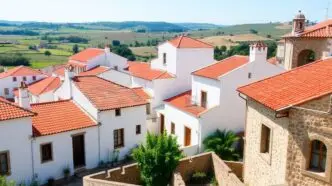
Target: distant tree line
[14,60]
[19,32]
[242,49]
[70,39]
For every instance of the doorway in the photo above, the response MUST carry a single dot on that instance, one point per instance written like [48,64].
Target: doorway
[78,151]
[162,123]
[187,136]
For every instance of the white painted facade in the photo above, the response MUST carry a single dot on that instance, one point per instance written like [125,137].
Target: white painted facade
[9,83]
[224,108]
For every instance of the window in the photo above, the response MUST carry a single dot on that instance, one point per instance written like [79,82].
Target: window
[164,59]
[116,68]
[249,75]
[4,163]
[203,99]
[118,138]
[148,111]
[265,139]
[46,152]
[172,128]
[14,79]
[138,129]
[34,78]
[317,156]
[24,78]
[162,123]
[117,112]
[6,91]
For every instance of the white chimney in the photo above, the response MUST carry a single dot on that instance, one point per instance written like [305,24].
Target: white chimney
[258,52]
[69,74]
[23,96]
[107,49]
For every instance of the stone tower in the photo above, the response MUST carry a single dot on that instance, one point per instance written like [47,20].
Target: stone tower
[298,24]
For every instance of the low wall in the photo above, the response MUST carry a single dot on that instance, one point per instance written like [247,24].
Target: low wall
[205,162]
[190,150]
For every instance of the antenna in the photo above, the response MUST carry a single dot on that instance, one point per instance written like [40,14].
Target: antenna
[327,9]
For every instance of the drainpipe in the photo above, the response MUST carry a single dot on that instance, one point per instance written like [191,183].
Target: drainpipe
[99,124]
[32,157]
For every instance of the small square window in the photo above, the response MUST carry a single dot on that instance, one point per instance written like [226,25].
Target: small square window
[249,75]
[164,59]
[34,78]
[46,152]
[24,78]
[148,109]
[116,67]
[172,128]
[4,163]
[138,129]
[14,79]
[117,112]
[6,91]
[265,139]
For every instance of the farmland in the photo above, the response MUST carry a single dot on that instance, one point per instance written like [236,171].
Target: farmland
[98,35]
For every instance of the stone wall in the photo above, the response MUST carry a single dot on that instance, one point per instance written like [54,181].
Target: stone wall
[306,125]
[262,168]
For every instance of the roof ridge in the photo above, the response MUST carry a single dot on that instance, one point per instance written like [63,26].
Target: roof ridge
[201,41]
[180,40]
[286,72]
[51,102]
[12,104]
[53,79]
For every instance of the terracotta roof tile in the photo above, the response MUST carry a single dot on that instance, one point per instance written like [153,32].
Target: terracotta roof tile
[144,71]
[140,91]
[183,102]
[292,87]
[76,64]
[9,110]
[220,68]
[59,116]
[87,54]
[60,71]
[94,71]
[320,30]
[20,71]
[106,95]
[43,86]
[188,42]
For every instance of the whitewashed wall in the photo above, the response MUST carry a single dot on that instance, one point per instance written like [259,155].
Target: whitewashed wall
[84,102]
[9,83]
[121,78]
[171,58]
[211,86]
[63,153]
[15,137]
[130,117]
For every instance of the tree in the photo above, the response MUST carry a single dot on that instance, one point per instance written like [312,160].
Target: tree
[222,142]
[47,53]
[75,49]
[116,43]
[157,158]
[124,51]
[253,31]
[4,182]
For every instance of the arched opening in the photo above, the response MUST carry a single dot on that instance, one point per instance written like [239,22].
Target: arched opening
[305,57]
[317,156]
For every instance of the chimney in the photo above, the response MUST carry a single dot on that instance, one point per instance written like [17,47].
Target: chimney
[69,74]
[258,52]
[23,96]
[107,49]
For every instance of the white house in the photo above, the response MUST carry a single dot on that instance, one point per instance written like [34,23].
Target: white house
[42,90]
[212,102]
[10,79]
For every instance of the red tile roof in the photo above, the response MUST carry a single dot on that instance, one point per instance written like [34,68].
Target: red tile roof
[60,71]
[87,54]
[187,42]
[76,64]
[320,30]
[292,87]
[43,86]
[273,60]
[20,71]
[140,91]
[59,116]
[106,95]
[183,102]
[144,71]
[9,110]
[94,71]
[215,70]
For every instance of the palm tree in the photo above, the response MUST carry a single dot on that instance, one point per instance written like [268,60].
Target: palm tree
[222,143]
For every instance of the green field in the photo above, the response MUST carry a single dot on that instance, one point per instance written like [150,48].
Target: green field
[98,35]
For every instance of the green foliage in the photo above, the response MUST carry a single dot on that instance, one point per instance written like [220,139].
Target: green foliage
[116,43]
[198,178]
[75,49]
[222,142]
[66,171]
[19,32]
[5,182]
[124,51]
[47,53]
[253,31]
[157,159]
[13,60]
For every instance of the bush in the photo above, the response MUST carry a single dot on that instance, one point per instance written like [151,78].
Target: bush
[13,60]
[198,178]
[5,182]
[50,181]
[47,53]
[157,158]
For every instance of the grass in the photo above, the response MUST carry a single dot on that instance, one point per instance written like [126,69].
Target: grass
[43,64]
[144,51]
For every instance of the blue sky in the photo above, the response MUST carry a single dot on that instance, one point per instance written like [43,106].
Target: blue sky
[209,11]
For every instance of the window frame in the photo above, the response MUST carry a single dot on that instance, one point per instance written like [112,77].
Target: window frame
[116,137]
[204,104]
[6,91]
[42,161]
[266,147]
[138,129]
[172,128]
[164,58]
[7,154]
[24,78]
[117,112]
[34,78]
[148,109]
[14,79]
